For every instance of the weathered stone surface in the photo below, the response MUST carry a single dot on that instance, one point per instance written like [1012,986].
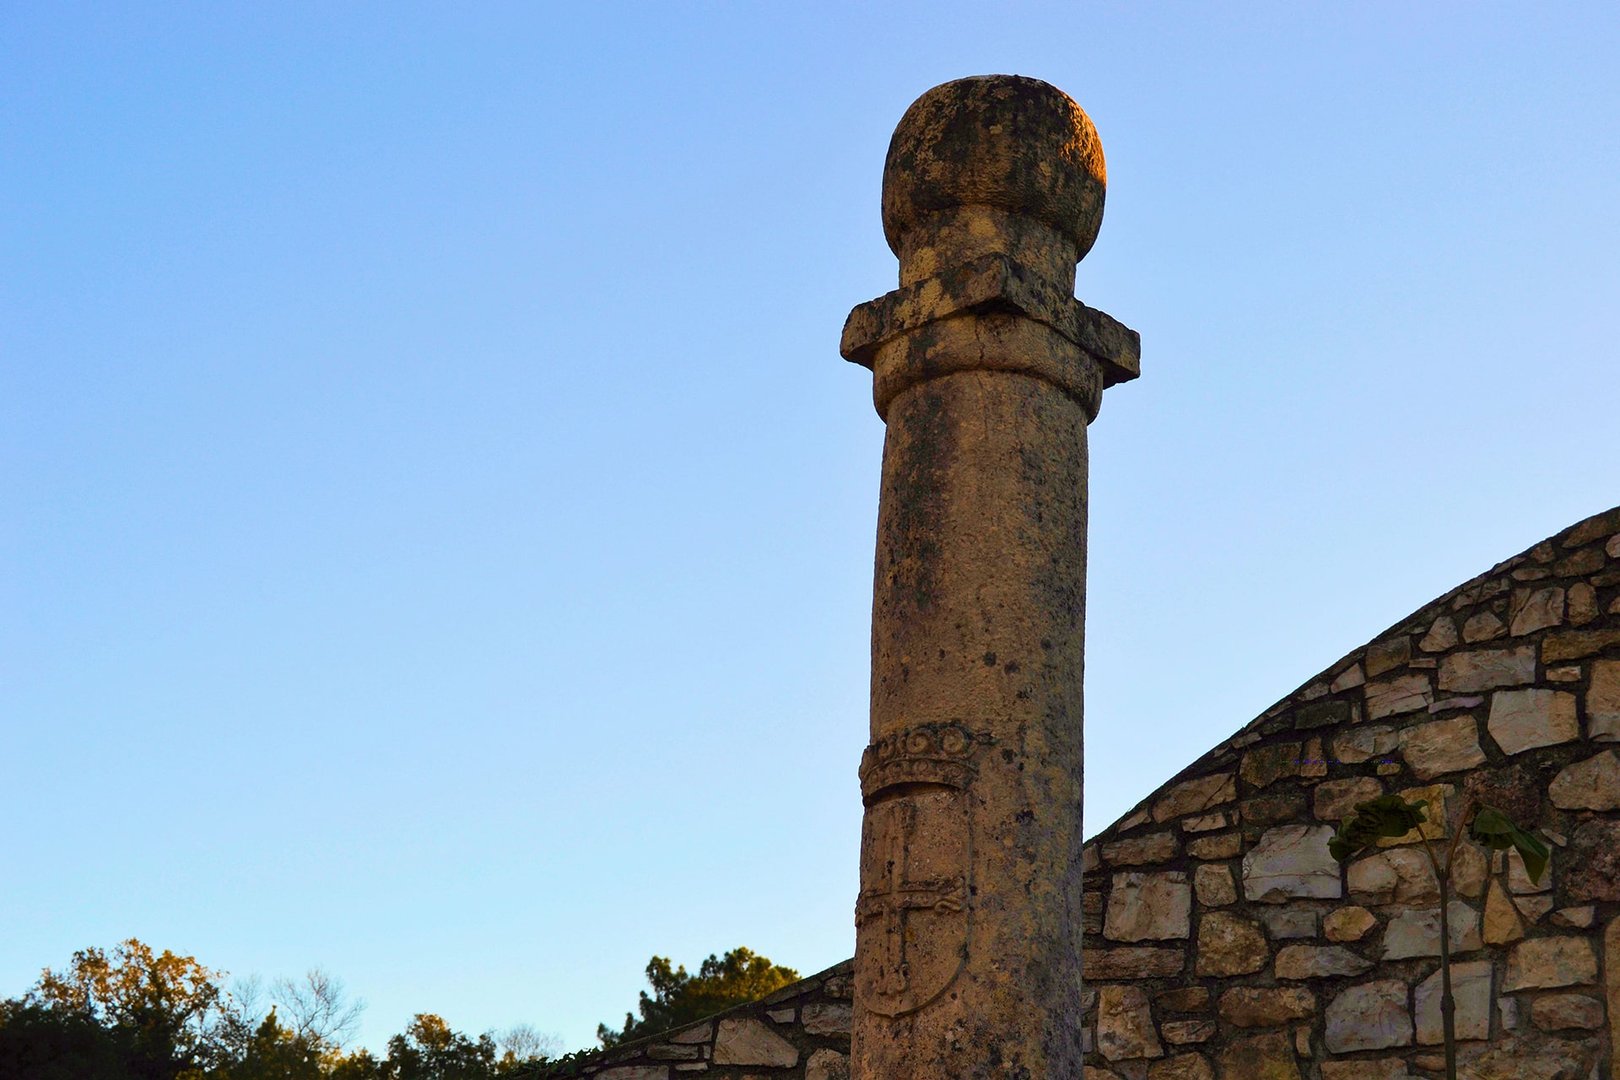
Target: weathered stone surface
[1611,991]
[1562,1012]
[1442,635]
[1288,922]
[1484,626]
[1442,746]
[697,1033]
[1291,860]
[1322,714]
[1575,918]
[1336,800]
[1580,563]
[1395,876]
[1141,850]
[1388,655]
[1187,1032]
[1206,822]
[1148,907]
[1348,679]
[827,1019]
[1403,694]
[1348,923]
[1366,1069]
[1533,907]
[1502,921]
[1267,764]
[1486,669]
[1582,604]
[1371,1016]
[672,1052]
[1283,807]
[1133,963]
[1214,885]
[1195,796]
[635,1072]
[1539,963]
[1125,1024]
[749,1042]
[826,1065]
[1469,870]
[1361,744]
[1229,945]
[1536,609]
[1525,1059]
[1182,999]
[1416,931]
[1593,784]
[1576,644]
[1258,1006]
[1592,863]
[1318,962]
[1261,1057]
[1223,846]
[1182,1067]
[1471,993]
[1522,720]
[1603,702]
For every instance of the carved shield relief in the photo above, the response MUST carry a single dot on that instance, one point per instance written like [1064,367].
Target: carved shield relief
[913,919]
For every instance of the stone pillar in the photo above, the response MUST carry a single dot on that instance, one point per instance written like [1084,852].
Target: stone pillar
[986,370]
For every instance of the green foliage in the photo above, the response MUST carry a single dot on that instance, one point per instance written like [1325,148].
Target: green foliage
[738,977]
[1492,828]
[1385,816]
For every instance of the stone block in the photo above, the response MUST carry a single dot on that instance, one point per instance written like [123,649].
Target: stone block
[1370,1016]
[1483,626]
[1222,846]
[1141,850]
[1260,1006]
[1322,714]
[749,1042]
[1285,807]
[1125,1024]
[634,1072]
[1182,1067]
[1576,644]
[1525,1059]
[1266,765]
[1522,720]
[1592,784]
[1442,635]
[1289,922]
[1402,694]
[1229,945]
[1416,931]
[1535,609]
[1348,923]
[827,1019]
[1261,1057]
[1362,744]
[1145,906]
[826,1065]
[1582,604]
[1394,876]
[1388,655]
[1290,861]
[1318,962]
[1487,669]
[1132,963]
[1471,992]
[1563,1012]
[1196,796]
[1366,1069]
[1442,746]
[1205,822]
[1503,923]
[1336,800]
[1213,884]
[1580,563]
[1187,1032]
[1183,999]
[1591,870]
[1542,963]
[1348,679]
[1603,702]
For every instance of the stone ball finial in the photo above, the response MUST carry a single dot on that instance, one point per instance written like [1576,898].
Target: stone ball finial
[1004,141]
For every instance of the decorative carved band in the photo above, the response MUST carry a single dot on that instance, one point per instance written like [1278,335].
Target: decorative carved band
[925,754]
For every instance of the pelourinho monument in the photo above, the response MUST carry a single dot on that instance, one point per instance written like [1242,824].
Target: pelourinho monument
[986,371]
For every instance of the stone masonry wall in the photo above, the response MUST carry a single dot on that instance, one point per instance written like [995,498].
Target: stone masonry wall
[1224,943]
[801,1032]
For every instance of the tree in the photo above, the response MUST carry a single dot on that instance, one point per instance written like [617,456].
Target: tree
[678,998]
[1393,816]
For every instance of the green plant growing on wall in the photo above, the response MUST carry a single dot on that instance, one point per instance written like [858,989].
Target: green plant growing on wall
[1390,816]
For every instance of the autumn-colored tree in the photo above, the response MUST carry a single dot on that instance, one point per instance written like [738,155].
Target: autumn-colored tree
[721,982]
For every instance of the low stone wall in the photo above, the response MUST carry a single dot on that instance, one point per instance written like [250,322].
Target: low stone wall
[1223,941]
[801,1032]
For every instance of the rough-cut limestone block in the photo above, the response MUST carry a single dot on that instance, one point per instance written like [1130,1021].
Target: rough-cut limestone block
[1563,1012]
[1403,694]
[1148,907]
[1486,669]
[1336,800]
[1518,878]
[1348,679]
[1261,1006]
[1611,991]
[1469,871]
[1591,869]
[1187,1032]
[1533,907]
[1228,945]
[1323,714]
[1484,626]
[1593,784]
[1603,702]
[1268,764]
[1348,923]
[1442,635]
[1140,963]
[1288,922]
[1365,1069]
[1580,563]
[1536,609]
[1371,1016]
[1283,808]
[1395,876]
[1522,720]
[1141,850]
[750,1042]
[1291,860]
[1205,822]
[1442,746]
[1319,961]
[1532,1059]
[1195,796]
[1260,1057]
[1183,999]
[1502,921]
[827,1065]
[1182,1067]
[1540,963]
[672,1052]
[697,1033]
[1576,644]
[827,1019]
[1361,744]
[1416,932]
[635,1072]
[1125,1024]
[1582,604]
[1470,990]
[1575,918]
[1385,656]
[1222,846]
[1214,884]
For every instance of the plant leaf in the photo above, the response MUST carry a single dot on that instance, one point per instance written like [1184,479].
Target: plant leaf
[1533,852]
[1387,815]
[1498,832]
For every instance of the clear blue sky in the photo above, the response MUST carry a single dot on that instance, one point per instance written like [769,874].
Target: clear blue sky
[438,524]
